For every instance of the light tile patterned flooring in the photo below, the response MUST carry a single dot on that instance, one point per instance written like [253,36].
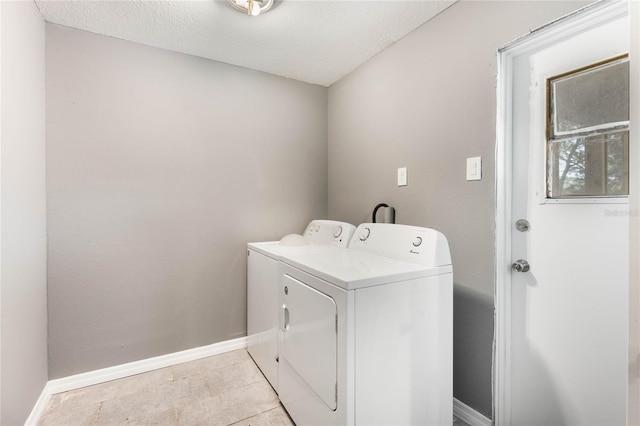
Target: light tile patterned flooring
[226,389]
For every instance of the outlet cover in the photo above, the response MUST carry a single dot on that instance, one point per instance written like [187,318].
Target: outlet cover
[474,168]
[402,176]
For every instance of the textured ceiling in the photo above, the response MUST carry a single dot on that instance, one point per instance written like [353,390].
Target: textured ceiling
[314,41]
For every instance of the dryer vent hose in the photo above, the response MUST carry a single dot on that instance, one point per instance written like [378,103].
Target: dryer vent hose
[389,213]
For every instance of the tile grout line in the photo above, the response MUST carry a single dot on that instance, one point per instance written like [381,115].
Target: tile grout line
[98,413]
[255,415]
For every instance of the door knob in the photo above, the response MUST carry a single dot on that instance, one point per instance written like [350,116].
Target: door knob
[520,266]
[523,225]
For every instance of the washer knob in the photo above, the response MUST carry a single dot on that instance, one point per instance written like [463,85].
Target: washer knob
[417,241]
[337,231]
[364,234]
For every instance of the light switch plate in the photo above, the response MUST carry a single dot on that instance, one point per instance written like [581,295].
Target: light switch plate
[474,168]
[402,176]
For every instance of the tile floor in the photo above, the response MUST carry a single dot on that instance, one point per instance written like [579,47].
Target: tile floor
[226,389]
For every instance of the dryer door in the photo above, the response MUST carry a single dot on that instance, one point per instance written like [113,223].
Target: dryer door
[308,345]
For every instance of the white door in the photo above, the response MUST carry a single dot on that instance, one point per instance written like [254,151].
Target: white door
[568,313]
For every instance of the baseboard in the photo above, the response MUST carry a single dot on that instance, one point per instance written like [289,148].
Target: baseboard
[39,407]
[65,384]
[469,415]
[95,377]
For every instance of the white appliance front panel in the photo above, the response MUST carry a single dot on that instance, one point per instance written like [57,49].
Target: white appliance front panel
[263,274]
[404,352]
[309,343]
[303,404]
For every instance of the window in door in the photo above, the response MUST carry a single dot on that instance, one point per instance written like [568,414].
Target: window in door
[588,131]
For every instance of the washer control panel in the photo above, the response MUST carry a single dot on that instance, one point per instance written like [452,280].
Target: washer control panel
[329,232]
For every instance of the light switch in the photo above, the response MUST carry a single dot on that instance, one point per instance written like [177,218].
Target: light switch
[474,168]
[402,176]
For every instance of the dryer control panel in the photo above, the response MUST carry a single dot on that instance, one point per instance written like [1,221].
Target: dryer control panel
[415,244]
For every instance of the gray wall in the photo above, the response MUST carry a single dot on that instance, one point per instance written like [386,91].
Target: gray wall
[23,250]
[160,168]
[428,102]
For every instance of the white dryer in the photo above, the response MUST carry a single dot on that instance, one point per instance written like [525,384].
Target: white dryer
[366,332]
[263,278]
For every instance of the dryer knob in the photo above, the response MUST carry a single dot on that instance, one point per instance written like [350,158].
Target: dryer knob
[364,234]
[337,231]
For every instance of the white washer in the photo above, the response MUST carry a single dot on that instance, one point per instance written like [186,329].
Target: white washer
[366,332]
[263,278]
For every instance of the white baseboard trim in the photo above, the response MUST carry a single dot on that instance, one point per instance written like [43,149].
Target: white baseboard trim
[121,371]
[39,407]
[131,368]
[469,415]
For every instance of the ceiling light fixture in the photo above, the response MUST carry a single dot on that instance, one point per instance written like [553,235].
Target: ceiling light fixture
[251,7]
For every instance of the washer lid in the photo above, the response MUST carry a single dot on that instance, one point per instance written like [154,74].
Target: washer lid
[274,249]
[319,233]
[353,269]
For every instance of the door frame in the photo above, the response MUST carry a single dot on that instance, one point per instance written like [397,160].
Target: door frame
[633,391]
[577,22]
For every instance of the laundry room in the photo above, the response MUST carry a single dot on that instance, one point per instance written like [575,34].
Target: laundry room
[134,174]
